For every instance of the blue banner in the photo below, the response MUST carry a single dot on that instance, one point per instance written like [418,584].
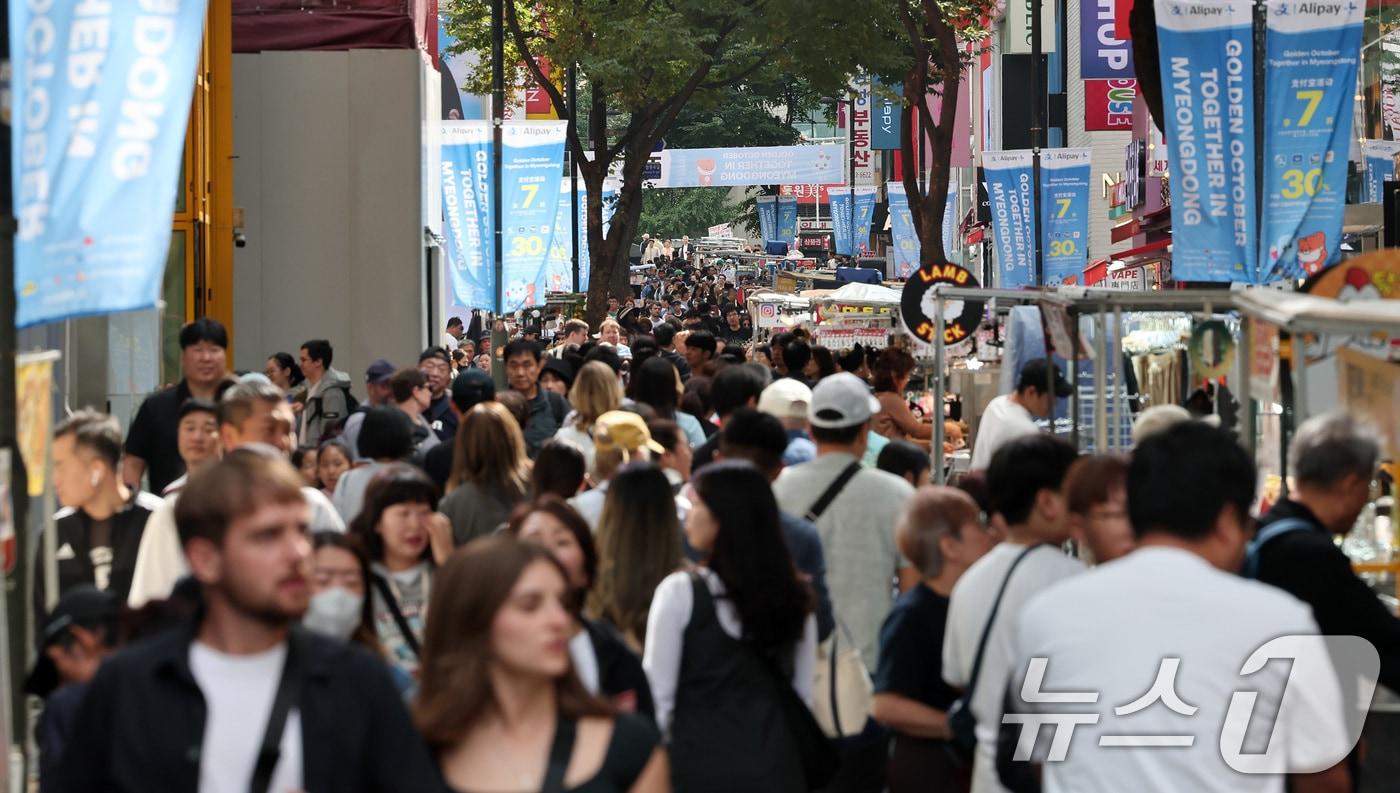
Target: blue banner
[1102,56]
[768,217]
[1207,61]
[1010,180]
[843,221]
[904,250]
[559,270]
[100,99]
[888,117]
[787,218]
[1064,211]
[466,213]
[1380,167]
[753,165]
[532,161]
[952,246]
[865,213]
[1310,84]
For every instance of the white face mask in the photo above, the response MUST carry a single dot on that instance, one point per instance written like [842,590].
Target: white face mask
[334,612]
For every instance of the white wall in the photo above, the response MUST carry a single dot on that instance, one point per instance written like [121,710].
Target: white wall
[330,173]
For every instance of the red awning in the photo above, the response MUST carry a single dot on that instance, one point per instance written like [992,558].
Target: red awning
[290,25]
[1135,257]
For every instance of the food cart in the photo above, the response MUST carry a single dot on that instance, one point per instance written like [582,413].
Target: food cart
[862,314]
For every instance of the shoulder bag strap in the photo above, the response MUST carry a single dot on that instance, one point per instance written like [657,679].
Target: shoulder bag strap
[1276,529]
[288,693]
[991,620]
[559,754]
[393,603]
[833,491]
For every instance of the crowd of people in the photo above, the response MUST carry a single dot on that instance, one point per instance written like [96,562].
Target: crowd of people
[663,558]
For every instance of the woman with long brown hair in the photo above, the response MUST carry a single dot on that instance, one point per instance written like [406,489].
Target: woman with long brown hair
[596,391]
[500,705]
[639,544]
[895,420]
[490,472]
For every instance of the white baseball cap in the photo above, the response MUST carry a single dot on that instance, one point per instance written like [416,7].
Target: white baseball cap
[842,400]
[786,399]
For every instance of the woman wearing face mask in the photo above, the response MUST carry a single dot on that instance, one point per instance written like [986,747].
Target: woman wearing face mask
[499,704]
[602,660]
[405,540]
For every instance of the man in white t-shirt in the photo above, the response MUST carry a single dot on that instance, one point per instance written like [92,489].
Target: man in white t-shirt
[191,708]
[1011,416]
[1024,481]
[1162,636]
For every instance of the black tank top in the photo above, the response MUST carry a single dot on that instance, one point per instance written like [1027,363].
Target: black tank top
[728,732]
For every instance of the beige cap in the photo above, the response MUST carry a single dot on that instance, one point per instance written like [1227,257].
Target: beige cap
[625,430]
[786,399]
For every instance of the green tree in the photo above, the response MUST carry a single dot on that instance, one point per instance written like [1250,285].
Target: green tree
[673,213]
[644,63]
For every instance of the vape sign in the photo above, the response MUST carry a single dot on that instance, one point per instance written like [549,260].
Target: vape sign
[1108,105]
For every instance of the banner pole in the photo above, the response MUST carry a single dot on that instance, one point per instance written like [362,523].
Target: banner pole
[498,102]
[1037,136]
[573,168]
[1259,276]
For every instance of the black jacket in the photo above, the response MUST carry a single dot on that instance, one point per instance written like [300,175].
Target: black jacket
[141,727]
[73,532]
[620,673]
[1307,565]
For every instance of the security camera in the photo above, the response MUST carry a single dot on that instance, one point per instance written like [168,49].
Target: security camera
[240,239]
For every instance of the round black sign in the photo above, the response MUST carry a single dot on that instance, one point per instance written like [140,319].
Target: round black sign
[918,306]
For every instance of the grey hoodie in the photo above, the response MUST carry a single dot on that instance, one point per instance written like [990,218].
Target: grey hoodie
[326,406]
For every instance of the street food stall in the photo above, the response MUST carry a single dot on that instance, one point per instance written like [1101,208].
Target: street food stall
[775,312]
[862,314]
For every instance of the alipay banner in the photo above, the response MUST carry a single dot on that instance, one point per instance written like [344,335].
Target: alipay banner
[904,251]
[753,165]
[532,165]
[952,246]
[1310,84]
[843,221]
[100,99]
[466,212]
[865,214]
[532,161]
[1380,166]
[559,271]
[889,117]
[1207,61]
[1064,208]
[787,218]
[768,217]
[1011,197]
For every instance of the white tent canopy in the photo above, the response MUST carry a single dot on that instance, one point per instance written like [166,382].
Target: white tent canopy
[863,294]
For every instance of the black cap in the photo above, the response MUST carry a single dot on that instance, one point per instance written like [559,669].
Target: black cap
[84,605]
[435,352]
[1036,372]
[471,388]
[560,367]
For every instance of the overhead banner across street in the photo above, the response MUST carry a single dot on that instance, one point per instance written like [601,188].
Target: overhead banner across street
[1011,193]
[532,163]
[100,99]
[1064,176]
[1207,60]
[752,165]
[1310,82]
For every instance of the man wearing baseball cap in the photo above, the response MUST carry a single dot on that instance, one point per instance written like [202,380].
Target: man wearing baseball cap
[378,391]
[855,509]
[789,402]
[1011,416]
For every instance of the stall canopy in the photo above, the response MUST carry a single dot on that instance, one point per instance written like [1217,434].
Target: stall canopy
[863,294]
[1302,313]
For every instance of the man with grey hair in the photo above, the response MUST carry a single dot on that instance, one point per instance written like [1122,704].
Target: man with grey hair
[1333,459]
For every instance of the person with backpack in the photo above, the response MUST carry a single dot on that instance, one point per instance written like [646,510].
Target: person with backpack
[523,360]
[328,399]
